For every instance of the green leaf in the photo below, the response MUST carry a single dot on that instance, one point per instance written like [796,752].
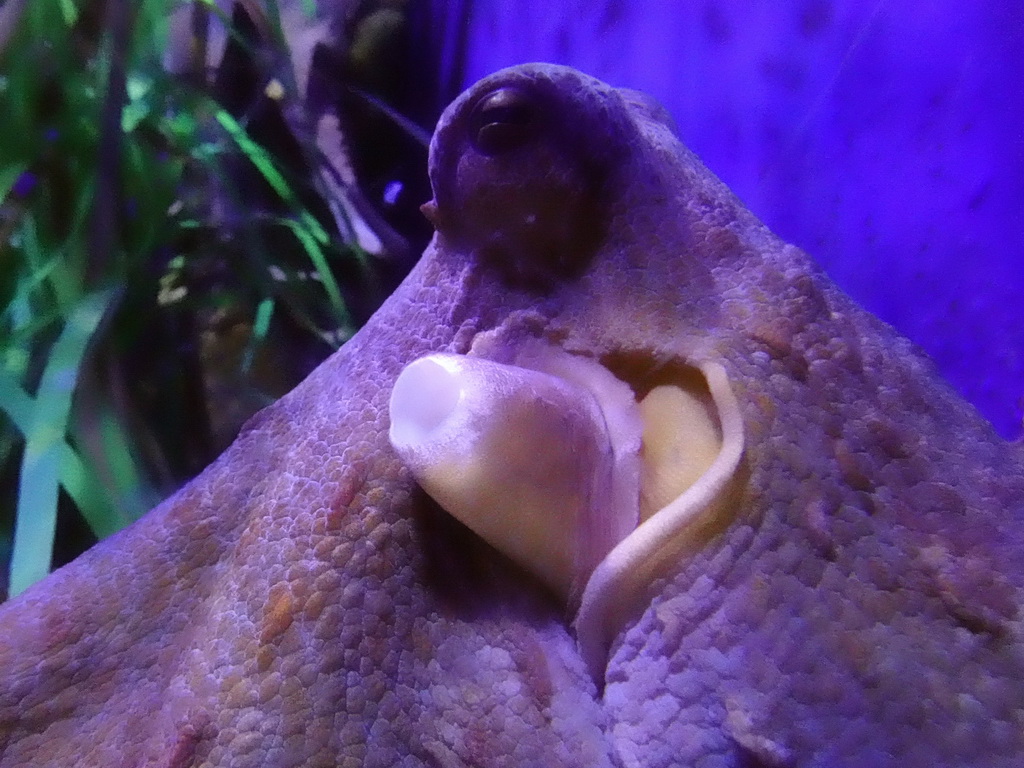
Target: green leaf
[76,479]
[260,327]
[137,107]
[69,11]
[257,155]
[113,466]
[311,245]
[36,516]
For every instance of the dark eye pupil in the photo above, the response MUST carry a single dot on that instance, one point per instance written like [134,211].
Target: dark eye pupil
[502,120]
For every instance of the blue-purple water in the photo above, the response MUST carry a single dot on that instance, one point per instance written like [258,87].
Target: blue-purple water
[886,138]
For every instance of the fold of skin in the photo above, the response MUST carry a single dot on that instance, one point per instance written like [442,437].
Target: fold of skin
[854,599]
[570,477]
[526,459]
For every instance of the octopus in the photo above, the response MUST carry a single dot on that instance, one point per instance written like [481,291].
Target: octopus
[615,478]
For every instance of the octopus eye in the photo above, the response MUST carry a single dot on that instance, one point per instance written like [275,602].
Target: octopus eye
[502,120]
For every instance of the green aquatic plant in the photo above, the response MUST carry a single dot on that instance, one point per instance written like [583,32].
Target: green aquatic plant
[131,286]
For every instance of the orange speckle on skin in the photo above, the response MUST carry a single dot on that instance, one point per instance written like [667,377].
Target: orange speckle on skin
[777,336]
[279,614]
[349,486]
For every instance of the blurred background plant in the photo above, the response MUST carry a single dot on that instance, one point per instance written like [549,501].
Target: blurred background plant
[179,246]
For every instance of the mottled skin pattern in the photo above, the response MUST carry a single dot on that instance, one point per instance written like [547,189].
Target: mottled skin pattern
[302,603]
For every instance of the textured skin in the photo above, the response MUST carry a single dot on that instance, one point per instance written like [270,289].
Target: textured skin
[301,603]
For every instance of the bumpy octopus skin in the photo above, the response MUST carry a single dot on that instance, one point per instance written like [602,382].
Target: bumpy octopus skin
[855,600]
